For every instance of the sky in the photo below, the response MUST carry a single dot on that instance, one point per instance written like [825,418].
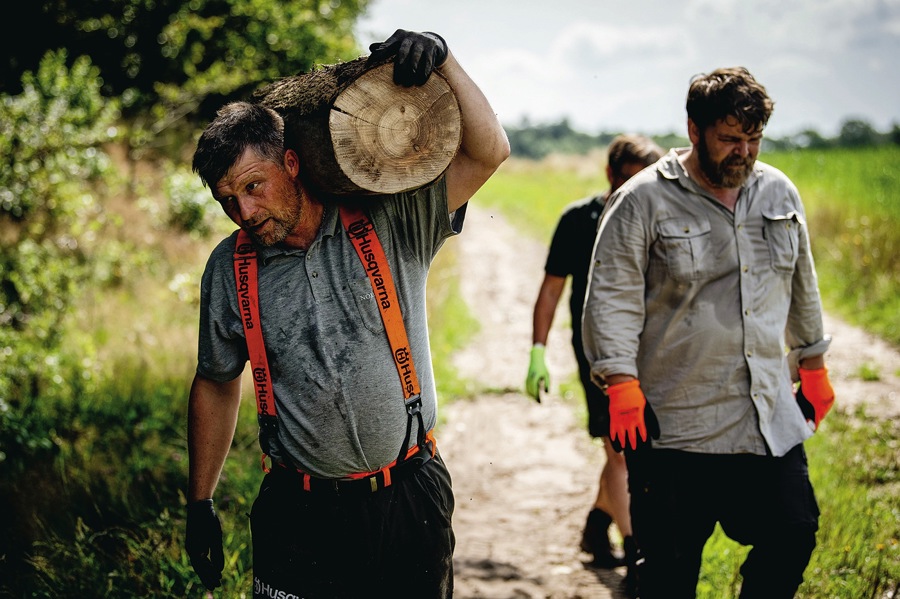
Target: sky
[625,65]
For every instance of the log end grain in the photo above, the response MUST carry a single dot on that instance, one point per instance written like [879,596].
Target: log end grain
[357,132]
[388,138]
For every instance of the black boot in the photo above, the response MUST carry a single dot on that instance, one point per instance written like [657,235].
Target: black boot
[595,540]
[633,561]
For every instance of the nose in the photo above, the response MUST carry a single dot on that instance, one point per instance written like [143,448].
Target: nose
[246,208]
[742,148]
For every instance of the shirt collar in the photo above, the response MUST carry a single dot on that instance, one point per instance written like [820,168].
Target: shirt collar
[331,226]
[671,168]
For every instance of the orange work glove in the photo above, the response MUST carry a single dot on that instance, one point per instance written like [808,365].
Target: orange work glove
[814,395]
[630,416]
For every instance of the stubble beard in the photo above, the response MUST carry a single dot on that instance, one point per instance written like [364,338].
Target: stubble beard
[730,173]
[281,222]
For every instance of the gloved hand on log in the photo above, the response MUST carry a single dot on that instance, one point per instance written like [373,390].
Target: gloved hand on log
[415,54]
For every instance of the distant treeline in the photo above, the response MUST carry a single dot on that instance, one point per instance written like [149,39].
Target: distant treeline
[536,141]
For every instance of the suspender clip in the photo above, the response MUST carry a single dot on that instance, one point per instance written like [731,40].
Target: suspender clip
[414,404]
[268,431]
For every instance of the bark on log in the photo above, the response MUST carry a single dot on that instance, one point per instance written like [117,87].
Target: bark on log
[357,132]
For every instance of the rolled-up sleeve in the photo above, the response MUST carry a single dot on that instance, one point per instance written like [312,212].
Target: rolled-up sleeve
[614,304]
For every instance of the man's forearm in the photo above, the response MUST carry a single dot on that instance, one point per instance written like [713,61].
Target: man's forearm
[484,139]
[813,362]
[614,379]
[212,417]
[484,145]
[545,307]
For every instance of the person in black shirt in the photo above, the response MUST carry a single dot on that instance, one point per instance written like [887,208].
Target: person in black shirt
[570,255]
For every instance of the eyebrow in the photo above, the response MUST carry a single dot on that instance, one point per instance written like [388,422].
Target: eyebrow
[729,136]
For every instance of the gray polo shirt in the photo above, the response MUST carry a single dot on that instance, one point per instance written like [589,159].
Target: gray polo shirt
[338,396]
[700,304]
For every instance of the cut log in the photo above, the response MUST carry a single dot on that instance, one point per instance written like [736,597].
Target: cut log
[359,133]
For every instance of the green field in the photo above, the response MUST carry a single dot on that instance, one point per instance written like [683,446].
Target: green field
[852,199]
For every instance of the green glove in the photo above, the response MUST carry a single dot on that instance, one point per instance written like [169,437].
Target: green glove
[538,375]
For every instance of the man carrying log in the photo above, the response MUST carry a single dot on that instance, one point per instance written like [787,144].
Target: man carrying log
[325,296]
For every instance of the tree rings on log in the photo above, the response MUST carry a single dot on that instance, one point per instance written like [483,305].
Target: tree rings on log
[359,133]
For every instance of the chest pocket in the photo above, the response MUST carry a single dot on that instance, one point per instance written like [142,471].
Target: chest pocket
[367,304]
[782,234]
[686,245]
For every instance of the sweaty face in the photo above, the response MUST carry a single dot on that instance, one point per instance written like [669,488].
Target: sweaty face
[261,197]
[727,153]
[271,226]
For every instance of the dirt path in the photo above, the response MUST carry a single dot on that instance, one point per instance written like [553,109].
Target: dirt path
[524,473]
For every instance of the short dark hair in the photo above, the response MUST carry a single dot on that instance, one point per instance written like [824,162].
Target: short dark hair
[238,126]
[729,92]
[631,148]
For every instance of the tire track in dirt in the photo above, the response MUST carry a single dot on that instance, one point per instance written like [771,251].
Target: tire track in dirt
[524,473]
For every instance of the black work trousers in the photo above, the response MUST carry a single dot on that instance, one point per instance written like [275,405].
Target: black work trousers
[762,501]
[395,542]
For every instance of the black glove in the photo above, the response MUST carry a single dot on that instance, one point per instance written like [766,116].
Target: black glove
[203,542]
[809,412]
[415,55]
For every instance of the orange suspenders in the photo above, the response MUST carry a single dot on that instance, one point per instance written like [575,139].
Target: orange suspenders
[245,276]
[362,234]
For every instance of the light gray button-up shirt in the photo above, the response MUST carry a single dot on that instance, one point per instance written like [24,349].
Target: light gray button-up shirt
[700,303]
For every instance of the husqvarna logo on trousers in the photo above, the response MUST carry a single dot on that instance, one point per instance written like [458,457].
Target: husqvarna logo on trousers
[261,589]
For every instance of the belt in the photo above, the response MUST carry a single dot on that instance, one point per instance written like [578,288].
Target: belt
[364,484]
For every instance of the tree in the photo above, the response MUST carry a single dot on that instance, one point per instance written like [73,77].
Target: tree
[49,219]
[857,133]
[181,57]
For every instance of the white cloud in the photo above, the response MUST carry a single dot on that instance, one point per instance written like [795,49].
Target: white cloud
[626,66]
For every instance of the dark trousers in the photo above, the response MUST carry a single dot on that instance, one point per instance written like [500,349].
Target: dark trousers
[597,401]
[396,542]
[766,502]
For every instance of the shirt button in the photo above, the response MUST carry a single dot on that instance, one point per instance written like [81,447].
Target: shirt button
[747,312]
[746,268]
[749,354]
[315,274]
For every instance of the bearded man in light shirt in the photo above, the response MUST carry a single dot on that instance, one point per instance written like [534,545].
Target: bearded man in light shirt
[702,276]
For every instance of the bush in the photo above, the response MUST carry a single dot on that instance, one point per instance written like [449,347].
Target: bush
[50,221]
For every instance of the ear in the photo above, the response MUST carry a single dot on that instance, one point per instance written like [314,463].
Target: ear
[291,162]
[693,132]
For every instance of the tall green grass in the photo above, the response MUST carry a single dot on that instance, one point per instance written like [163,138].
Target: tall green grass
[852,198]
[855,472]
[531,195]
[451,324]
